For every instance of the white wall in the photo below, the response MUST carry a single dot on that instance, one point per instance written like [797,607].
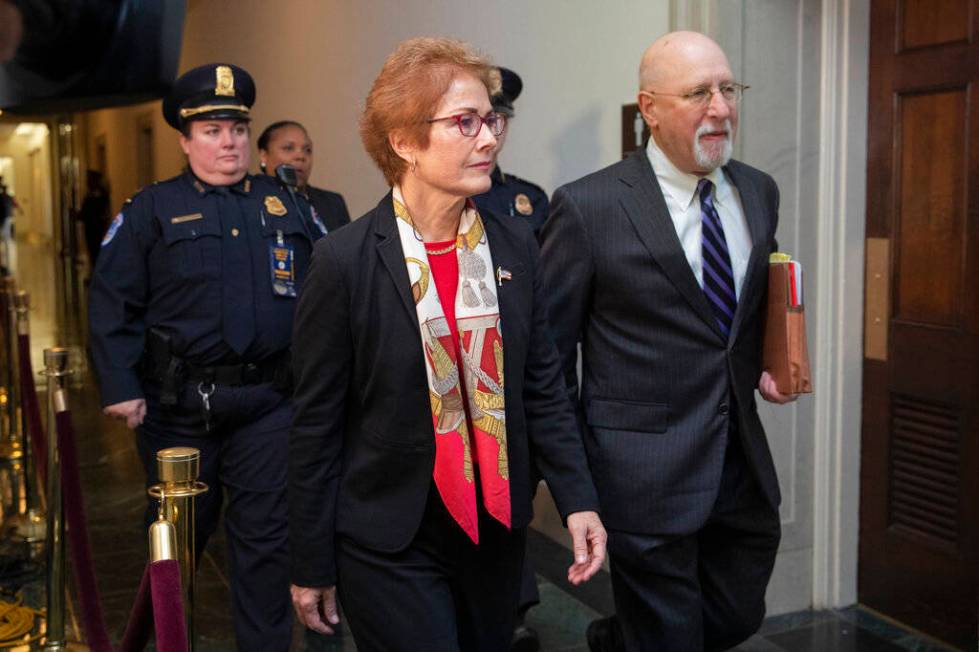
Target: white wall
[314,61]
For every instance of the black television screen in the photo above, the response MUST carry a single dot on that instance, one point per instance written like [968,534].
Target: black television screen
[78,55]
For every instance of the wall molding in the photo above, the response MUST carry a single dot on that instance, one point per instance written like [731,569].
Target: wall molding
[836,310]
[837,315]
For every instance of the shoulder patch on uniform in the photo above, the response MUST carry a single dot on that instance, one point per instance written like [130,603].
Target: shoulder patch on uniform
[111,232]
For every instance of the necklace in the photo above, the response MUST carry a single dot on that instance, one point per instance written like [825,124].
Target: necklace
[439,252]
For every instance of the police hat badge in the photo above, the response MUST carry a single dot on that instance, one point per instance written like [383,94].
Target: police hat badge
[216,91]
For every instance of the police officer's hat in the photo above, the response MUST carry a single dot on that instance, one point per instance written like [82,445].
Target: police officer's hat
[216,91]
[509,91]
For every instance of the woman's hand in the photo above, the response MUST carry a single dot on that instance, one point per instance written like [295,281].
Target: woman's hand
[306,601]
[132,412]
[588,538]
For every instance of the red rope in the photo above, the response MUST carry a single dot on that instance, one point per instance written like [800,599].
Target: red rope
[93,621]
[32,409]
[159,591]
[168,610]
[138,627]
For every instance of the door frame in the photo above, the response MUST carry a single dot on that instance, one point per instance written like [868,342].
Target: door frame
[836,307]
[838,313]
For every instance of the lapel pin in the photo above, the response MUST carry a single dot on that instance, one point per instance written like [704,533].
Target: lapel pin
[502,275]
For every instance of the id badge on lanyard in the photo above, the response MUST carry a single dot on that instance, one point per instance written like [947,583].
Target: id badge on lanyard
[282,260]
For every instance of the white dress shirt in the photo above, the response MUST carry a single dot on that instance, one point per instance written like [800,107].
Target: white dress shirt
[680,192]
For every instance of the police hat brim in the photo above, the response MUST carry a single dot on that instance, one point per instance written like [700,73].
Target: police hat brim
[214,91]
[177,117]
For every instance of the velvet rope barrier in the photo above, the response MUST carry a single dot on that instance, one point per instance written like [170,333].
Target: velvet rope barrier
[32,408]
[168,609]
[93,621]
[140,618]
[159,591]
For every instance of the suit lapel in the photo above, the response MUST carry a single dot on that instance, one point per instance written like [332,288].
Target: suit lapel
[646,208]
[503,256]
[754,216]
[391,254]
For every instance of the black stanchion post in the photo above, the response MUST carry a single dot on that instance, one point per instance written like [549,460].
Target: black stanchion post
[57,372]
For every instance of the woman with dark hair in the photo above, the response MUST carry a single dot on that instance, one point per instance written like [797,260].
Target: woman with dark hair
[287,142]
[425,376]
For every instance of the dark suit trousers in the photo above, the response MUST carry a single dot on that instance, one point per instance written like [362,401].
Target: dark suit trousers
[706,590]
[440,594]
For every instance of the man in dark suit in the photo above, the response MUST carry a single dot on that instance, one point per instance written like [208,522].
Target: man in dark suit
[657,265]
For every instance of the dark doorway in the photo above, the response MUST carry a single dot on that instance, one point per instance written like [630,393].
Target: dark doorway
[919,512]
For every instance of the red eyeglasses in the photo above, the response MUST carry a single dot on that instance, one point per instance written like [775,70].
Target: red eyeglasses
[470,123]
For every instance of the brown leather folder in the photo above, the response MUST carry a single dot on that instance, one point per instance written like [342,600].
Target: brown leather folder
[785,354]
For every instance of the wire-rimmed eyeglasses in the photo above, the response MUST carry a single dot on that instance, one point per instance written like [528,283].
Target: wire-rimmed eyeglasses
[731,93]
[470,123]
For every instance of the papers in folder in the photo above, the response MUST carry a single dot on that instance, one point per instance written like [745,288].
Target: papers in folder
[785,353]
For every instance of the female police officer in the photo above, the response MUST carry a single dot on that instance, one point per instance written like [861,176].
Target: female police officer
[287,142]
[191,316]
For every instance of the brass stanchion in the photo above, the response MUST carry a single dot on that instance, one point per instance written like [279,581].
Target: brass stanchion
[57,372]
[178,469]
[30,526]
[163,536]
[10,447]
[12,480]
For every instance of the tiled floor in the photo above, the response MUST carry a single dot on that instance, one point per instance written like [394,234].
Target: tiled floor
[113,487]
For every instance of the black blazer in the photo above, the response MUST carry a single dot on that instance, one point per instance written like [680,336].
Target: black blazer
[362,447]
[330,206]
[660,384]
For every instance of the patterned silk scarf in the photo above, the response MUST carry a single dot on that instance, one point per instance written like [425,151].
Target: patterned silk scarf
[481,347]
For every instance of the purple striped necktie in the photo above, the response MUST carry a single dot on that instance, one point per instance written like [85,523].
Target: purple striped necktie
[718,273]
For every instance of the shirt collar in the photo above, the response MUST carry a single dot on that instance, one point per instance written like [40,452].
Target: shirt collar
[242,187]
[497,174]
[682,186]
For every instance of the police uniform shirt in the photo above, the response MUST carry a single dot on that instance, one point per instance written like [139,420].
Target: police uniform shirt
[511,195]
[169,258]
[330,207]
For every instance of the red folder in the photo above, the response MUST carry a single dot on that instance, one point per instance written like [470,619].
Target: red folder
[785,354]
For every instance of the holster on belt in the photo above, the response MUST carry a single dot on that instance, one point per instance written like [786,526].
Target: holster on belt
[162,366]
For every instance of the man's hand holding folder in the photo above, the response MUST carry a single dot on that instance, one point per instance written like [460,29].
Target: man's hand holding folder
[785,355]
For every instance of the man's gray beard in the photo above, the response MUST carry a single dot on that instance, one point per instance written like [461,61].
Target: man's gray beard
[704,158]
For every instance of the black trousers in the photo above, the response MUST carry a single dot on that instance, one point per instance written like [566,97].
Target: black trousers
[243,460]
[442,593]
[706,590]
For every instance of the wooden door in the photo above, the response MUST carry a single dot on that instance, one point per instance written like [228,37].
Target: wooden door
[919,512]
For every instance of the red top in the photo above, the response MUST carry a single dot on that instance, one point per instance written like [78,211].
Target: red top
[458,494]
[445,273]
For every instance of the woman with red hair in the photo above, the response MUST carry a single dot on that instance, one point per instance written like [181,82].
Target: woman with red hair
[425,377]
